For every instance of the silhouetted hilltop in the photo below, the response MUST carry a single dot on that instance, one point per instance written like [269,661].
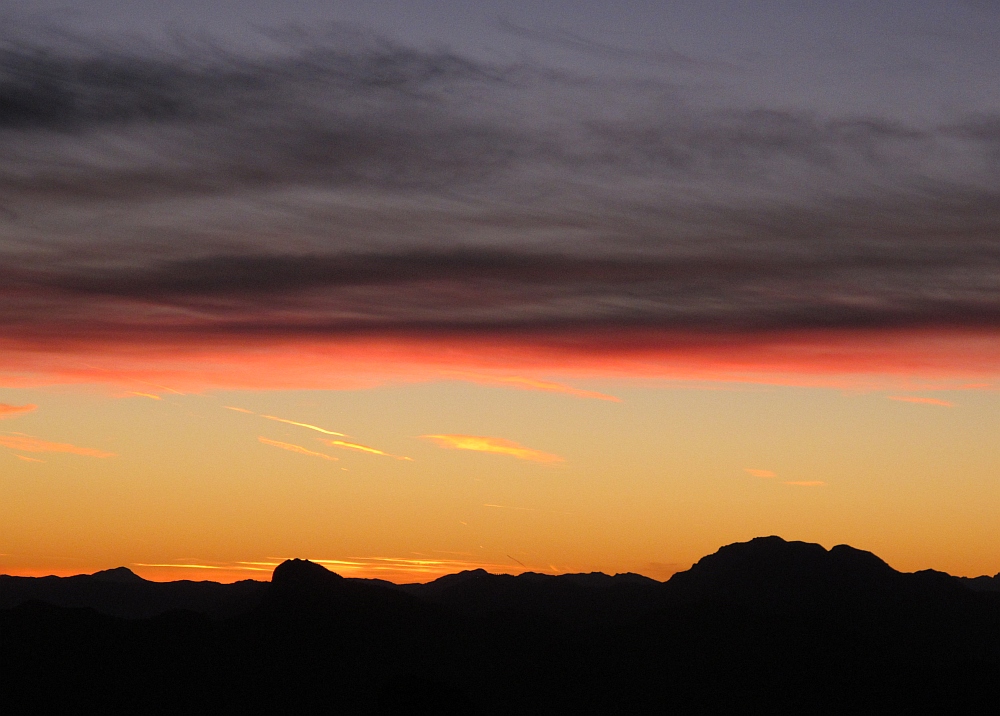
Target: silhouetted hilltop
[572,598]
[121,575]
[764,572]
[122,593]
[766,626]
[774,573]
[982,584]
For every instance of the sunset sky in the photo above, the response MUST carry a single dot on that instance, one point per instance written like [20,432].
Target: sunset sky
[414,287]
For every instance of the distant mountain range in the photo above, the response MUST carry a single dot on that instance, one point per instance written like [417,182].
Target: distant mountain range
[766,625]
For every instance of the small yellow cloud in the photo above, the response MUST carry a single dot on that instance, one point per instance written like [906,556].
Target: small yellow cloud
[761,473]
[26,443]
[480,443]
[294,448]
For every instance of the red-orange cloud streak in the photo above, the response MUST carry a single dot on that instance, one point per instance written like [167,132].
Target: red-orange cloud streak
[922,401]
[25,443]
[9,411]
[908,360]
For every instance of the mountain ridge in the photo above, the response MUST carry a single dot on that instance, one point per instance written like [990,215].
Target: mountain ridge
[757,571]
[766,625]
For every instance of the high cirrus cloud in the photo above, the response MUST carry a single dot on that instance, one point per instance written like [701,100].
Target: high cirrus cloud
[354,188]
[7,411]
[26,443]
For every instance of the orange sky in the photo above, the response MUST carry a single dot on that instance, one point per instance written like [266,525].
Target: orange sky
[408,477]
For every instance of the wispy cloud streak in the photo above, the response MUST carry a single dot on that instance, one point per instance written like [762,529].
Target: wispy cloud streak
[922,401]
[363,448]
[25,443]
[307,426]
[500,446]
[295,448]
[9,411]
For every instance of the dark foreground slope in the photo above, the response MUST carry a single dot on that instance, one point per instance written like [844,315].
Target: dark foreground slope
[768,625]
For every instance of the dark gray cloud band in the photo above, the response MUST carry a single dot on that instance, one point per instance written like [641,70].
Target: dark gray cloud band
[352,186]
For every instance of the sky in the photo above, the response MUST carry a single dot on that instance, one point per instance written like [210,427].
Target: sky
[414,287]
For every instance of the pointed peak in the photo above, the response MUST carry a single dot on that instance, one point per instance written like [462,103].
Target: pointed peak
[120,575]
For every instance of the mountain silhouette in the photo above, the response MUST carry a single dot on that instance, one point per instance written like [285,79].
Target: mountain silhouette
[121,575]
[766,625]
[122,593]
[983,584]
[768,572]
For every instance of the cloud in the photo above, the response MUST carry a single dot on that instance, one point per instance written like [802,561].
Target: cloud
[303,425]
[523,383]
[28,459]
[922,401]
[25,443]
[761,473]
[295,448]
[362,448]
[499,446]
[348,188]
[307,426]
[7,411]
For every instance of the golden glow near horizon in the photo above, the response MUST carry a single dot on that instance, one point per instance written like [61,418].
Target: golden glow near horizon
[649,484]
